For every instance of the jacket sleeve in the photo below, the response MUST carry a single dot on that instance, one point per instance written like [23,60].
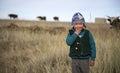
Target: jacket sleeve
[71,38]
[93,47]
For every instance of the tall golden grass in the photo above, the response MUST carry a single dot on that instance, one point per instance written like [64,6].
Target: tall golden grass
[43,49]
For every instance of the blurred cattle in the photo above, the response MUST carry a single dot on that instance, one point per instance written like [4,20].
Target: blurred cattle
[56,18]
[114,21]
[42,18]
[14,16]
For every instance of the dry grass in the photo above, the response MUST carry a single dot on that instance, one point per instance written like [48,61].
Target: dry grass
[42,49]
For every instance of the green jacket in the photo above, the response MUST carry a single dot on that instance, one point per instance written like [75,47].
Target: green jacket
[71,38]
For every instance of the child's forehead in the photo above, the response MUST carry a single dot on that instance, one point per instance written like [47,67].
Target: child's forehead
[78,23]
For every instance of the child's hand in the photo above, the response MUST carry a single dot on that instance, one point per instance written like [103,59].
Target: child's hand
[92,62]
[77,31]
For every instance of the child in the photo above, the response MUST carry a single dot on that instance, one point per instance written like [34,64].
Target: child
[82,45]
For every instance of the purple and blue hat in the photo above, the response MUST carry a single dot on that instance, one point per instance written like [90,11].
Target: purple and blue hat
[78,17]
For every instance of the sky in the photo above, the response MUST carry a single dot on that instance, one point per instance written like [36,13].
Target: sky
[64,9]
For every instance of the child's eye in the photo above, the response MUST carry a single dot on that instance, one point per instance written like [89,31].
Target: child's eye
[80,23]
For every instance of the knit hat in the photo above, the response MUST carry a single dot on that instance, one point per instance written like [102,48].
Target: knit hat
[78,17]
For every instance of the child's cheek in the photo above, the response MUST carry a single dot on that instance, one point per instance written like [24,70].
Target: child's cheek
[75,27]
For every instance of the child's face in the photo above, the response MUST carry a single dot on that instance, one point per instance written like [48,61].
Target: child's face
[78,26]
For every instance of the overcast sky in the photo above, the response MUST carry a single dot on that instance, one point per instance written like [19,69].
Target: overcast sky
[64,9]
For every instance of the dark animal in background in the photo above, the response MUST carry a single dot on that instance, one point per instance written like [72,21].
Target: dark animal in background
[114,22]
[14,16]
[56,18]
[42,18]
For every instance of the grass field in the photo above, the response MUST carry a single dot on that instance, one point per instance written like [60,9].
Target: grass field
[41,48]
